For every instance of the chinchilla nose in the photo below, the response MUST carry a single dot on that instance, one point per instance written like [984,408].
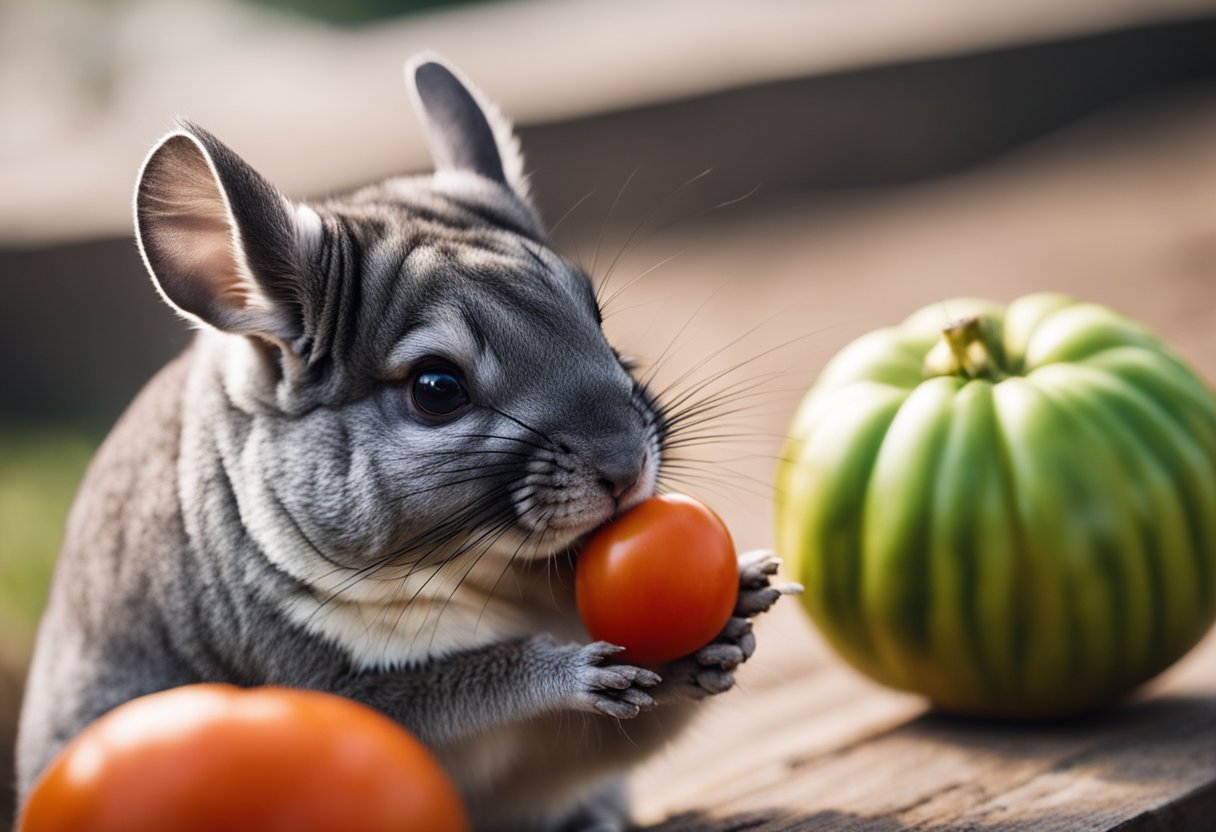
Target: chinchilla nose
[616,458]
[620,471]
[611,440]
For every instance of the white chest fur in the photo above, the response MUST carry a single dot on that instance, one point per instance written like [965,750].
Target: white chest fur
[477,599]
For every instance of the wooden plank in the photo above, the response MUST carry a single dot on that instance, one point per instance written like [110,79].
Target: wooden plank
[1147,765]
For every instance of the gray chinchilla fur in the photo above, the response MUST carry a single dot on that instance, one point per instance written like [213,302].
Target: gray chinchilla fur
[365,475]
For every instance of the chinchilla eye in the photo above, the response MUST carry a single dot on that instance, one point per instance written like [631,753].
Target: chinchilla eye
[438,390]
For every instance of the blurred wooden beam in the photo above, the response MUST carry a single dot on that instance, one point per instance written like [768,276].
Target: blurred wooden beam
[321,108]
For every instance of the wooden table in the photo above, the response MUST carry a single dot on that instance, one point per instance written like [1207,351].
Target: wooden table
[1122,211]
[807,744]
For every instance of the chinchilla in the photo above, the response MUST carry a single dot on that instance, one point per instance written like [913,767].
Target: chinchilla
[366,473]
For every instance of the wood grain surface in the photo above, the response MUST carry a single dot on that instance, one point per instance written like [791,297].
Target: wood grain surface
[823,749]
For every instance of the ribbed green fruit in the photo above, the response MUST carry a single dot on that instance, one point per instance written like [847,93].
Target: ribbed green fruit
[1014,513]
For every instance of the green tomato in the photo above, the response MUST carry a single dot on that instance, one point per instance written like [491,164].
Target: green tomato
[1014,513]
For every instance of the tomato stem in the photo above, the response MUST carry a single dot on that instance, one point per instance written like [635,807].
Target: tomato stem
[971,348]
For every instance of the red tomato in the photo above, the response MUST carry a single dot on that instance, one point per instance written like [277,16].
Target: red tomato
[661,580]
[203,758]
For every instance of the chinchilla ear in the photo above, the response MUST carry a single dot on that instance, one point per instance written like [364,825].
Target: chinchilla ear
[223,246]
[464,130]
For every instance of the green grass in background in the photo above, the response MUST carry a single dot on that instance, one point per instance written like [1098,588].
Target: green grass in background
[39,471]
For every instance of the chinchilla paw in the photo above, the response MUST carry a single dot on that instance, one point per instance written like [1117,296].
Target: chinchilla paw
[733,646]
[687,678]
[711,669]
[757,594]
[617,690]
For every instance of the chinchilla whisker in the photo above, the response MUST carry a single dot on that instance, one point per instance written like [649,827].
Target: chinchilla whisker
[525,426]
[599,240]
[704,212]
[395,601]
[671,485]
[715,424]
[719,487]
[463,577]
[660,206]
[701,394]
[514,491]
[737,483]
[715,464]
[484,509]
[515,439]
[456,466]
[553,228]
[715,389]
[748,391]
[332,595]
[498,580]
[573,237]
[701,461]
[744,363]
[491,534]
[747,438]
[457,463]
[500,523]
[483,458]
[746,397]
[718,206]
[704,442]
[723,348]
[550,561]
[662,301]
[749,456]
[718,408]
[633,281]
[649,375]
[726,475]
[734,200]
[453,483]
[370,571]
[472,452]
[489,470]
[501,457]
[686,218]
[714,428]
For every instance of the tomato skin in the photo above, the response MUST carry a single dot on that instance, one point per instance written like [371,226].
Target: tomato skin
[212,757]
[661,580]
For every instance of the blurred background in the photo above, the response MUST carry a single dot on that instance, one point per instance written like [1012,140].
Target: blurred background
[753,184]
